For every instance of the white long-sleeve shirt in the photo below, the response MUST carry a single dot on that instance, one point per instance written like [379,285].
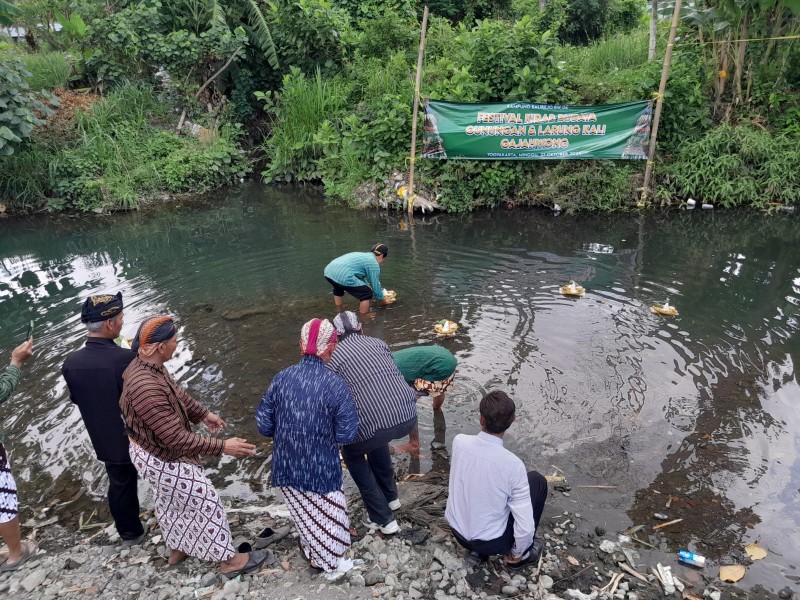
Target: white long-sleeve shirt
[487,483]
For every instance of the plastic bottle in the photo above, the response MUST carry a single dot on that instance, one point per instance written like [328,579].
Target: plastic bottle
[690,558]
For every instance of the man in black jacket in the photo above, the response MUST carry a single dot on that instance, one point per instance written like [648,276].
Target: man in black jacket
[94,378]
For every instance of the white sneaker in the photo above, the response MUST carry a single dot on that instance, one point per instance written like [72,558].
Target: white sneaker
[388,529]
[395,504]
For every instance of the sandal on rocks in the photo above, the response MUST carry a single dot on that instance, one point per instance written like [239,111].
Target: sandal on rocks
[254,562]
[29,550]
[269,536]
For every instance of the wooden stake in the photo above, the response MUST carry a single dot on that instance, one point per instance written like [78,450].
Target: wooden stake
[410,199]
[648,172]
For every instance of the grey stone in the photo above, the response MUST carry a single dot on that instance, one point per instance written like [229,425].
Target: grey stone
[448,560]
[374,577]
[414,593]
[518,580]
[558,530]
[34,579]
[435,566]
[546,581]
[357,581]
[167,593]
[599,531]
[632,596]
[208,579]
[509,590]
[390,580]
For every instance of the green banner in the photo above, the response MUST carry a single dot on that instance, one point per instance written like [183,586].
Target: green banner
[525,131]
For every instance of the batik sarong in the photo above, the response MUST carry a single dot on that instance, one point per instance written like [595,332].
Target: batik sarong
[8,489]
[323,524]
[188,508]
[434,388]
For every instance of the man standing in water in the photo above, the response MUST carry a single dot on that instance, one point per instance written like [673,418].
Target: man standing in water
[358,274]
[494,506]
[94,378]
[19,552]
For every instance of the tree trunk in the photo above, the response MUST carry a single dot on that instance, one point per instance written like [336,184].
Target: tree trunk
[777,24]
[740,55]
[651,49]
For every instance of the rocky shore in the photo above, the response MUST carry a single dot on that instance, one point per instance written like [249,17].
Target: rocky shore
[581,561]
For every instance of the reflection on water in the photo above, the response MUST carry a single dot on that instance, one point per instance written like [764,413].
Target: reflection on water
[702,408]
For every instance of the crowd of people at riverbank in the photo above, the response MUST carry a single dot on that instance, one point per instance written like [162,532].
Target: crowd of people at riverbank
[348,396]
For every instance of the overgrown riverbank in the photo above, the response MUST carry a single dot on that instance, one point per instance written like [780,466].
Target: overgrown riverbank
[322,93]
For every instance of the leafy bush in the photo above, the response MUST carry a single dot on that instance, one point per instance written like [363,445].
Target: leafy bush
[19,106]
[310,34]
[740,165]
[495,62]
[385,34]
[623,15]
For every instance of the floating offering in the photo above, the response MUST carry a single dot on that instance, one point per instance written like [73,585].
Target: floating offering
[573,290]
[445,327]
[389,296]
[665,311]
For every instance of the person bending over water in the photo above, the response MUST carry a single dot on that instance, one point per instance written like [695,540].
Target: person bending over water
[159,415]
[358,274]
[430,370]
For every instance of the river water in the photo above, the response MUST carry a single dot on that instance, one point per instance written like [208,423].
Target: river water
[703,408]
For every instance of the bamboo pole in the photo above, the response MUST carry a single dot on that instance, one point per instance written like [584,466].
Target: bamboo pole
[410,198]
[648,172]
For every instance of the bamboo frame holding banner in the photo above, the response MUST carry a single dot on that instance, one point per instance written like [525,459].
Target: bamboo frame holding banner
[410,198]
[648,172]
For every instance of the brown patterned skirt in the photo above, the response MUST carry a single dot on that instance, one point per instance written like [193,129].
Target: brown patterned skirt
[188,508]
[323,524]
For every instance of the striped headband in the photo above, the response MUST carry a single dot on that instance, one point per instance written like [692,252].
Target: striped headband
[151,332]
[317,336]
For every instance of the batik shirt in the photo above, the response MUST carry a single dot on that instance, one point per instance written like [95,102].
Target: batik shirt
[307,411]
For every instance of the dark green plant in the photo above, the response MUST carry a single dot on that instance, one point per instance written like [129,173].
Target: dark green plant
[20,108]
[740,165]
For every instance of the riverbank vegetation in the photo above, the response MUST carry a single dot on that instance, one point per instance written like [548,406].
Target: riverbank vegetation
[118,102]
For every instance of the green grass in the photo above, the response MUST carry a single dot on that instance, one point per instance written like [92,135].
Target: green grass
[114,156]
[305,103]
[48,70]
[621,51]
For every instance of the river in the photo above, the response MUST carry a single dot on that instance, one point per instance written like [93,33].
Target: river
[703,407]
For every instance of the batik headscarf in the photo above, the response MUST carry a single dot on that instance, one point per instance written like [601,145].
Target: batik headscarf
[151,333]
[346,323]
[317,336]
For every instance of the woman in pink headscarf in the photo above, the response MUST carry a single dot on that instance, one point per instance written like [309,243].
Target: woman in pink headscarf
[308,411]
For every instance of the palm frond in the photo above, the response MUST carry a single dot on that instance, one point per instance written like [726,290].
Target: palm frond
[217,12]
[260,30]
[7,12]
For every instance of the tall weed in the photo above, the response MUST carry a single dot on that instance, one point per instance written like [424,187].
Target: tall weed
[48,70]
[298,113]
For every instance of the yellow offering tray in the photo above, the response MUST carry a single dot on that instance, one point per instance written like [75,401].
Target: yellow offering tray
[445,327]
[665,311]
[389,296]
[572,290]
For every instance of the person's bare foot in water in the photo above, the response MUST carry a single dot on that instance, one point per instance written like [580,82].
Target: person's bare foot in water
[176,556]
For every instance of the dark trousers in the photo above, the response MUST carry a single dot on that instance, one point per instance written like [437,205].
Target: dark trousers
[505,542]
[370,466]
[123,500]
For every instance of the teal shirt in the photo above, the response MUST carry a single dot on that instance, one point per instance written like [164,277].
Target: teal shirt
[8,383]
[355,269]
[431,363]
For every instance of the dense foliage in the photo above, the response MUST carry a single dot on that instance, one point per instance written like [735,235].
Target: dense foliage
[321,91]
